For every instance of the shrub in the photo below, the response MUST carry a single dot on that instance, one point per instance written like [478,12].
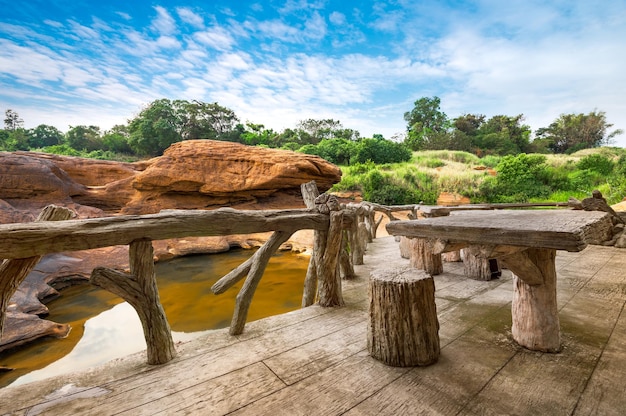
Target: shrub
[519,178]
[596,163]
[380,151]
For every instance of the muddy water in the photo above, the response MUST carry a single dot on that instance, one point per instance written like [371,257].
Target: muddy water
[104,327]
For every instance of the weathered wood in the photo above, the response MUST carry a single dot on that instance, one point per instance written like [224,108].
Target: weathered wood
[27,240]
[244,297]
[405,247]
[452,256]
[558,229]
[534,308]
[345,261]
[422,257]
[328,275]
[243,269]
[140,290]
[309,193]
[403,329]
[525,267]
[14,271]
[479,268]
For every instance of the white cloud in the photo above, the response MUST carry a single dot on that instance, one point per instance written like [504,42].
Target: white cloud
[189,16]
[164,23]
[215,37]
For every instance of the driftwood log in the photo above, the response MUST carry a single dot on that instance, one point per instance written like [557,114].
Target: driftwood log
[14,271]
[403,329]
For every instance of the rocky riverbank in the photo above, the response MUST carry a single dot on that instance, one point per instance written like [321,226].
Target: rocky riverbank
[194,174]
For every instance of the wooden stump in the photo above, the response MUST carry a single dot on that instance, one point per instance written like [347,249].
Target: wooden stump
[452,256]
[405,247]
[423,258]
[478,268]
[403,329]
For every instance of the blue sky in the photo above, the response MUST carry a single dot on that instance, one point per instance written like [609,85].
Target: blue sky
[277,62]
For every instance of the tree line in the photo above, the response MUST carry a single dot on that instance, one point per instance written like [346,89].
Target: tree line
[164,122]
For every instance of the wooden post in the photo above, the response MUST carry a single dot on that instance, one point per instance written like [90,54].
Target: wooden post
[405,247]
[479,268]
[14,271]
[422,257]
[309,193]
[403,329]
[140,290]
[345,260]
[452,256]
[534,307]
[329,277]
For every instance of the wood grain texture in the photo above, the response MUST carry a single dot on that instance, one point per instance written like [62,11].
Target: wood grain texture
[557,229]
[403,329]
[27,240]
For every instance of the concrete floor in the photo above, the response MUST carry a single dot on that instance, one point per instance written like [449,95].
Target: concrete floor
[315,360]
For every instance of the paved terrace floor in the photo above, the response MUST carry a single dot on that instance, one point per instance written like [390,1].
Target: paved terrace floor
[314,361]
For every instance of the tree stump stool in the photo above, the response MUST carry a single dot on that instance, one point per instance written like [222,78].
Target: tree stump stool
[422,257]
[403,329]
[478,268]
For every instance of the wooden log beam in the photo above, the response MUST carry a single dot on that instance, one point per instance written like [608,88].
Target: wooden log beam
[244,297]
[32,239]
[139,289]
[14,271]
[525,267]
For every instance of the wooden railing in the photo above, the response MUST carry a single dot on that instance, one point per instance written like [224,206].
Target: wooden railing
[341,233]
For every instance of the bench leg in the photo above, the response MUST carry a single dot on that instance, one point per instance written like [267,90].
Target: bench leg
[534,308]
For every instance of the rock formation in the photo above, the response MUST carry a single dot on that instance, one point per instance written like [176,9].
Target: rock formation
[193,174]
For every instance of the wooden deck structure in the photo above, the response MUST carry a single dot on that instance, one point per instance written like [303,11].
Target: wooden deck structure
[315,360]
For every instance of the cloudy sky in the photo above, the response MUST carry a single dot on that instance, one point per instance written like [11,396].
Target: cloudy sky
[280,61]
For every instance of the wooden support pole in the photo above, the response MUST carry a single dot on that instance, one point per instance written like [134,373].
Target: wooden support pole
[534,307]
[309,193]
[244,297]
[345,260]
[403,328]
[14,271]
[329,277]
[422,257]
[140,290]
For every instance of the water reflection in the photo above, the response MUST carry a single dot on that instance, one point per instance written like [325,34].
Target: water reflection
[103,328]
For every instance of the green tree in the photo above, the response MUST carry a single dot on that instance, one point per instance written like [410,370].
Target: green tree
[116,139]
[84,138]
[502,135]
[572,132]
[44,135]
[311,131]
[156,128]
[12,120]
[201,120]
[427,126]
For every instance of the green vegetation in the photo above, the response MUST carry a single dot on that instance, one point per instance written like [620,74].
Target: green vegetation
[520,178]
[437,154]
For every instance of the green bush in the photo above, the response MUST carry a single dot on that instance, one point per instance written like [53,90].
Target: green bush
[519,179]
[380,151]
[596,163]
